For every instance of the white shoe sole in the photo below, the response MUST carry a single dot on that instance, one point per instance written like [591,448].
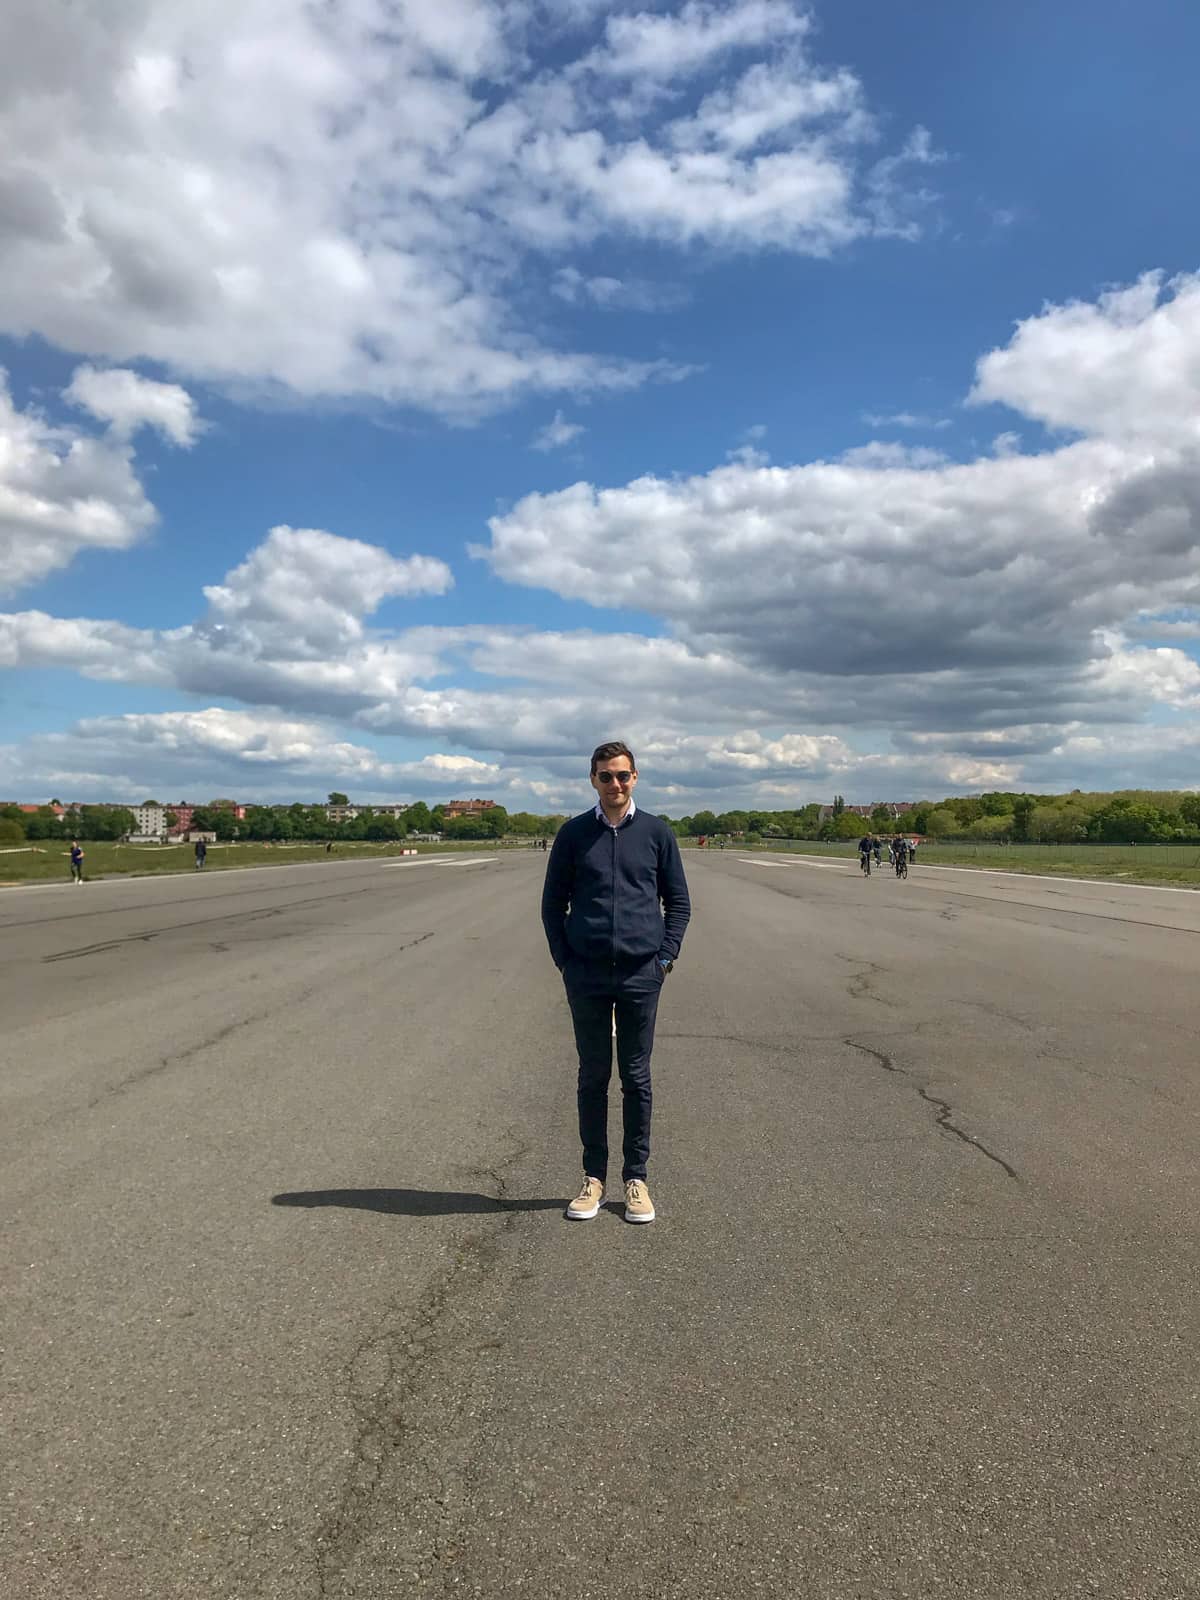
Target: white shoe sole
[583,1216]
[642,1218]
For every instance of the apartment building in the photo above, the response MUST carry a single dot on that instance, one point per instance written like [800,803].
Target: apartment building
[151,819]
[386,808]
[468,808]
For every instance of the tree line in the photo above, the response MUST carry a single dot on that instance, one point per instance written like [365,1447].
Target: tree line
[280,823]
[1129,816]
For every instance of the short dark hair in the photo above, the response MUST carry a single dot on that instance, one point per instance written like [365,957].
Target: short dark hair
[605,752]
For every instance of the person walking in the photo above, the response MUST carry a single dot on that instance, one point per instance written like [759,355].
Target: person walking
[201,853]
[615,908]
[76,862]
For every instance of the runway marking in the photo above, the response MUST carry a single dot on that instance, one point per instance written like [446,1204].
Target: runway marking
[792,861]
[978,872]
[439,861]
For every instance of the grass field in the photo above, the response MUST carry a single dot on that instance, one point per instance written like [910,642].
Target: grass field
[48,862]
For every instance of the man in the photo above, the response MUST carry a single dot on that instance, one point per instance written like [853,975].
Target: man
[614,906]
[864,852]
[877,846]
[76,862]
[201,853]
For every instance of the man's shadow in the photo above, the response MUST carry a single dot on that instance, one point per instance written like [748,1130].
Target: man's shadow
[413,1202]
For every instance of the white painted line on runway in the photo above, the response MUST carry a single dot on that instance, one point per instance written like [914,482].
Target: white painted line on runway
[438,861]
[1060,877]
[975,872]
[233,872]
[793,861]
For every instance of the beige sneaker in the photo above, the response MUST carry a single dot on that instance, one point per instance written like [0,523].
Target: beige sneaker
[638,1205]
[587,1202]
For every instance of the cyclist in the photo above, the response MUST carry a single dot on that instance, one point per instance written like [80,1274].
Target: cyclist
[900,856]
[877,846]
[864,853]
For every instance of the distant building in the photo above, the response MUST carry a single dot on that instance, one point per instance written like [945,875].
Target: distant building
[468,808]
[180,817]
[228,805]
[386,808]
[151,820]
[894,808]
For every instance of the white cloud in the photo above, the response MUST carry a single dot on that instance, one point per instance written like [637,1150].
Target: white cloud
[216,750]
[884,453]
[1125,367]
[61,491]
[905,419]
[343,200]
[556,433]
[1014,620]
[310,590]
[616,294]
[660,48]
[129,402]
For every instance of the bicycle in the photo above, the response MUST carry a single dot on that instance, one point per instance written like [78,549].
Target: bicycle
[901,867]
[864,860]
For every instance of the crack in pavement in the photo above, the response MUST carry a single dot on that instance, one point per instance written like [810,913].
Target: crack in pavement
[859,986]
[944,1109]
[383,1380]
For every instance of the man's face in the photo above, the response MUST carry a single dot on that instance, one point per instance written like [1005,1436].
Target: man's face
[607,782]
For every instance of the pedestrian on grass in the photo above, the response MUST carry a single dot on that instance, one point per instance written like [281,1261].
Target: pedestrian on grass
[76,862]
[201,853]
[615,907]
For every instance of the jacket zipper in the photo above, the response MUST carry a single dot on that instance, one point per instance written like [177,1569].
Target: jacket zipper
[613,946]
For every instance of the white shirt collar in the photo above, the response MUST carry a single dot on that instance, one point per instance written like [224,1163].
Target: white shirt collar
[600,817]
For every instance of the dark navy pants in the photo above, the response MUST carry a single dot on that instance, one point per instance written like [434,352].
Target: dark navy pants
[593,992]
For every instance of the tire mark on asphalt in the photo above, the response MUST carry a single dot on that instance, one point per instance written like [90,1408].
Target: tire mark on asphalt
[199,922]
[149,934]
[154,1069]
[944,1109]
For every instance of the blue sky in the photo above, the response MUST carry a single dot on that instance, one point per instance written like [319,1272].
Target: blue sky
[807,394]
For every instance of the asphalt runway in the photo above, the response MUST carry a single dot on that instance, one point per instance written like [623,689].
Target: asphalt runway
[290,1308]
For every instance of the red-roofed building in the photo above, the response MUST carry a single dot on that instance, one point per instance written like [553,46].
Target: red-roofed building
[467,808]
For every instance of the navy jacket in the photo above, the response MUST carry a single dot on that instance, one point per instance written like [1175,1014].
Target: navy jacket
[601,899]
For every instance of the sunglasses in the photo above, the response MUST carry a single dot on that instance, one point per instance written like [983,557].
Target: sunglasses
[614,777]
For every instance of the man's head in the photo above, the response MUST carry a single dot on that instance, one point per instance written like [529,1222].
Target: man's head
[614,774]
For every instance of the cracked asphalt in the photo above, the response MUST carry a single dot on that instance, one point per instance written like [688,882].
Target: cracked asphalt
[290,1308]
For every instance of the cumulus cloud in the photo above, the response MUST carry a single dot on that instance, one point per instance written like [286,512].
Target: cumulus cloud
[1020,619]
[62,491]
[894,561]
[128,402]
[986,595]
[340,200]
[308,591]
[252,754]
[1124,367]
